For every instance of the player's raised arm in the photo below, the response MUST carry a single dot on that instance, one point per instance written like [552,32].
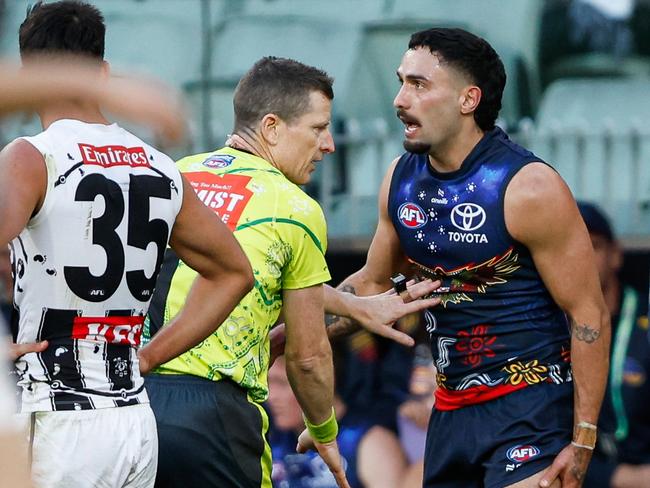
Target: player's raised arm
[205,244]
[53,79]
[379,313]
[541,213]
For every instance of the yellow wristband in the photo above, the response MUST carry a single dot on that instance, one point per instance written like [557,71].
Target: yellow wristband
[325,432]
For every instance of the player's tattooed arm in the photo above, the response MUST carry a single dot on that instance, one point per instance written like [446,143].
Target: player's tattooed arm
[351,309]
[583,332]
[375,313]
[338,326]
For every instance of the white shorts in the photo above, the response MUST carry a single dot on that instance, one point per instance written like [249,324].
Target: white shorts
[103,448]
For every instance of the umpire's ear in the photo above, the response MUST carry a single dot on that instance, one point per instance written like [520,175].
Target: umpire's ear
[270,129]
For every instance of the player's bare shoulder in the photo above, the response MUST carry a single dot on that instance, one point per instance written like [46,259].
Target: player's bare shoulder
[22,162]
[536,202]
[24,154]
[391,168]
[385,186]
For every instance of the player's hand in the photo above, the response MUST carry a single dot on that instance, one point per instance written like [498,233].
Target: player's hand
[143,362]
[569,466]
[329,452]
[148,102]
[378,313]
[235,141]
[17,350]
[139,99]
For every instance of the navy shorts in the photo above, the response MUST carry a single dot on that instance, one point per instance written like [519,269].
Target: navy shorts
[500,442]
[209,434]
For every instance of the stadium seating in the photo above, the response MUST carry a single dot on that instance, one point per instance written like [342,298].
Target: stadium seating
[241,39]
[161,39]
[601,149]
[331,10]
[599,65]
[511,26]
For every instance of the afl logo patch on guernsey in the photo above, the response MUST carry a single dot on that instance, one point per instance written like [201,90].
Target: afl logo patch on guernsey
[219,161]
[411,215]
[521,454]
[467,216]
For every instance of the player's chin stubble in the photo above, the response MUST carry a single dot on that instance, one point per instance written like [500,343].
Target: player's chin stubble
[417,147]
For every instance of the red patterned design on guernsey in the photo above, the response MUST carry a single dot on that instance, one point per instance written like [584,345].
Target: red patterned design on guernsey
[474,345]
[225,194]
[116,330]
[454,399]
[107,156]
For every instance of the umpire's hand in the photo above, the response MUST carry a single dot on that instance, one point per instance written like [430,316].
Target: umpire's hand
[329,452]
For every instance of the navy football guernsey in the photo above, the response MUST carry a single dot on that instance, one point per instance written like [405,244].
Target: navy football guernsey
[497,329]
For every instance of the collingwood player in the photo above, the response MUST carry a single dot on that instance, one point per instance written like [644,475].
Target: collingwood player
[89,209]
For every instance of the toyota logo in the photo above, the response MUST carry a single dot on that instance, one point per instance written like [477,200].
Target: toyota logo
[467,216]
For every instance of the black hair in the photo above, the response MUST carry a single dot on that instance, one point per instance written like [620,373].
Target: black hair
[473,57]
[279,86]
[66,27]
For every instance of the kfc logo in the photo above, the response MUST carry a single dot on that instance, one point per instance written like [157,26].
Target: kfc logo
[114,330]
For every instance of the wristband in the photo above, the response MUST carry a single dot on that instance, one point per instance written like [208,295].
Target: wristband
[582,446]
[584,435]
[325,432]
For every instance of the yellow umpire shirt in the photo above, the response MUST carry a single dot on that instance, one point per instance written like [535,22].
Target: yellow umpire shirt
[282,231]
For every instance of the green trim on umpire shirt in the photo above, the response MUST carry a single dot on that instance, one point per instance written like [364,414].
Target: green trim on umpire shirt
[284,221]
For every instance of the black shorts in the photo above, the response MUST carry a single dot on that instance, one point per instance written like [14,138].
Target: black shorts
[500,442]
[209,434]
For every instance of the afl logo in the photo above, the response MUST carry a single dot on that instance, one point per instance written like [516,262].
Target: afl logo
[467,216]
[219,161]
[521,454]
[411,215]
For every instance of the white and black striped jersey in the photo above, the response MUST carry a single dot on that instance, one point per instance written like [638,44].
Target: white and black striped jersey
[86,264]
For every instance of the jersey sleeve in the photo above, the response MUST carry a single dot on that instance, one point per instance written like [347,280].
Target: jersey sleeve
[307,236]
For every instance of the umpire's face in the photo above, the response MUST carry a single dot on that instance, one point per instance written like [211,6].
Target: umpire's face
[305,140]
